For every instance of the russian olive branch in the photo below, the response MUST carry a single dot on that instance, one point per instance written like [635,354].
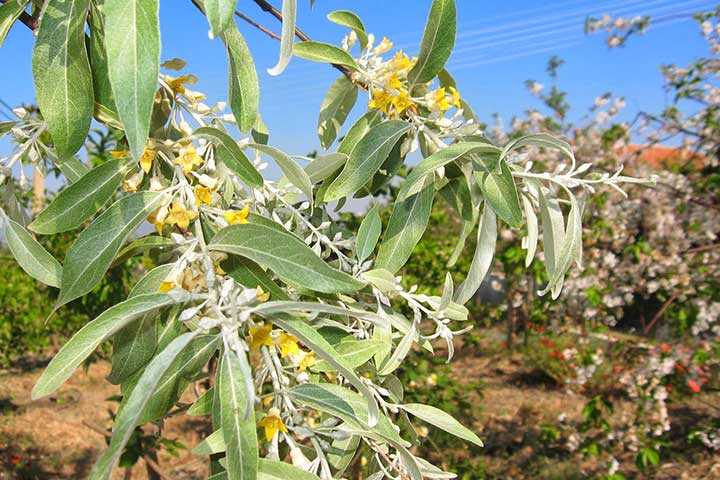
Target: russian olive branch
[28,20]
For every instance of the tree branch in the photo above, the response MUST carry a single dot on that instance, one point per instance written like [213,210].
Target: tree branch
[257,25]
[27,19]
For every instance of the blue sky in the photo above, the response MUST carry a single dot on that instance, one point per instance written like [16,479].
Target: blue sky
[500,44]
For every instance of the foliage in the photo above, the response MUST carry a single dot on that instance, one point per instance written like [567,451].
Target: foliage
[254,276]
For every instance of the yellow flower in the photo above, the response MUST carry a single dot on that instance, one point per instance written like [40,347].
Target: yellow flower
[384,46]
[455,100]
[179,216]
[308,360]
[268,400]
[166,286]
[238,216]
[262,295]
[401,61]
[381,100]
[438,100]
[190,281]
[159,227]
[394,82]
[401,101]
[203,195]
[178,87]
[288,345]
[272,424]
[260,336]
[132,183]
[119,153]
[188,158]
[146,160]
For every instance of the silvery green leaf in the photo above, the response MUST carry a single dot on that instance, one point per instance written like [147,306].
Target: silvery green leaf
[98,59]
[250,275]
[243,87]
[220,15]
[82,199]
[349,19]
[315,307]
[447,292]
[466,229]
[432,472]
[366,158]
[87,339]
[500,193]
[553,231]
[213,443]
[133,347]
[230,154]
[61,70]
[31,256]
[442,420]
[354,353]
[72,168]
[336,106]
[358,131]
[325,165]
[405,229]
[530,242]
[151,281]
[569,251]
[400,352]
[93,252]
[345,404]
[325,351]
[325,53]
[274,470]
[177,378]
[9,12]
[368,234]
[132,42]
[414,181]
[437,43]
[129,415]
[540,140]
[381,279]
[260,132]
[292,171]
[482,260]
[204,404]
[237,425]
[142,246]
[289,13]
[342,452]
[285,254]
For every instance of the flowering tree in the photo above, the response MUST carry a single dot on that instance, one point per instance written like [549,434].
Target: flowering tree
[294,320]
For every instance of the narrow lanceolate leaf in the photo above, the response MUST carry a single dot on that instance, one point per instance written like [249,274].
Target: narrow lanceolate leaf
[500,192]
[366,158]
[287,38]
[482,260]
[63,82]
[72,168]
[98,59]
[439,159]
[310,337]
[394,361]
[442,420]
[213,443]
[142,246]
[368,234]
[286,255]
[569,251]
[540,140]
[243,87]
[219,14]
[87,339]
[92,253]
[325,53]
[529,242]
[9,12]
[82,199]
[230,154]
[203,405]
[349,19]
[353,353]
[553,224]
[292,171]
[335,107]
[31,256]
[407,225]
[324,166]
[359,130]
[437,43]
[133,347]
[132,42]
[345,404]
[127,418]
[274,470]
[251,275]
[238,429]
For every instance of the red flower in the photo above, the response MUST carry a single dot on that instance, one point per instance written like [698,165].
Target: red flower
[694,386]
[669,388]
[679,368]
[547,343]
[15,459]
[505,345]
[665,348]
[704,379]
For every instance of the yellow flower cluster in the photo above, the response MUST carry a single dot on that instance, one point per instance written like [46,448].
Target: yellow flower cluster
[177,85]
[237,217]
[288,344]
[443,99]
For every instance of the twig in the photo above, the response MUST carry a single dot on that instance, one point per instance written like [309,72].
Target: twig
[704,248]
[257,25]
[660,312]
[27,19]
[96,429]
[155,467]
